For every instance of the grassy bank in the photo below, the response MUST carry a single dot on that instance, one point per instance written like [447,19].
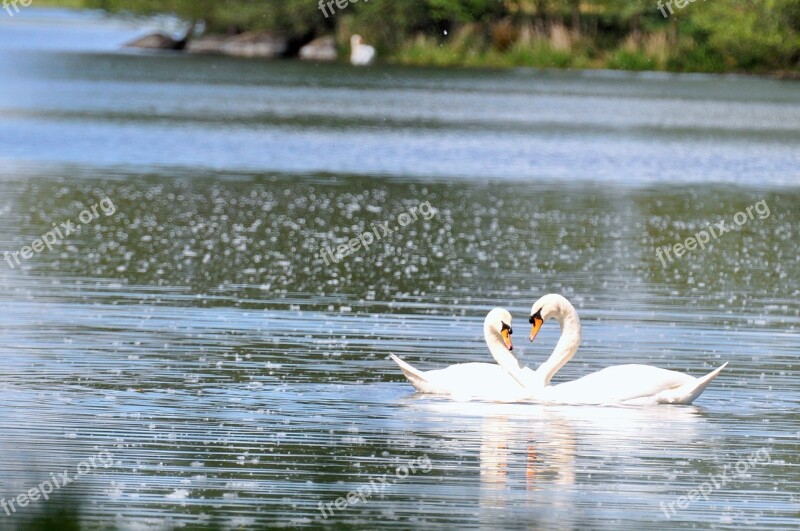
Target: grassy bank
[557,48]
[715,41]
[70,4]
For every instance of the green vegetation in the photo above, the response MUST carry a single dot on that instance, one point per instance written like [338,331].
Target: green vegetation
[74,4]
[706,36]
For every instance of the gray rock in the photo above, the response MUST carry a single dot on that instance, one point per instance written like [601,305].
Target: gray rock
[320,49]
[255,44]
[250,44]
[156,41]
[211,44]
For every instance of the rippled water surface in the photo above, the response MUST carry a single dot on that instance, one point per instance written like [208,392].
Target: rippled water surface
[231,374]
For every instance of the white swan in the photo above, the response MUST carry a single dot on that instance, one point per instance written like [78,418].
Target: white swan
[477,380]
[619,384]
[360,54]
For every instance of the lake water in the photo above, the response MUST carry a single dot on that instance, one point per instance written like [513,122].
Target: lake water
[192,340]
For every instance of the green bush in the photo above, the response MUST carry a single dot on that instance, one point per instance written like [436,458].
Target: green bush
[708,36]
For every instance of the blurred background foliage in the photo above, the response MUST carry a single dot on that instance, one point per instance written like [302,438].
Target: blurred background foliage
[707,36]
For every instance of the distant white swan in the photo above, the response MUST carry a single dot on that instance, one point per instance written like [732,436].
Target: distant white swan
[619,384]
[487,381]
[360,54]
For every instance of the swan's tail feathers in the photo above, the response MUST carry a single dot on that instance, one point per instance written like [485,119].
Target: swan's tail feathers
[416,377]
[686,393]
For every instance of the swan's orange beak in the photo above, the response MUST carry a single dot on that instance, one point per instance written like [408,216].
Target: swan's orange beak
[507,338]
[536,321]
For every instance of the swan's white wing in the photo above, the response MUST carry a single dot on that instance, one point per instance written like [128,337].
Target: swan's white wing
[465,381]
[618,384]
[485,381]
[415,376]
[686,393]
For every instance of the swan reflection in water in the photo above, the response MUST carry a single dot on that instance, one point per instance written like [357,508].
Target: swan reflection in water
[541,458]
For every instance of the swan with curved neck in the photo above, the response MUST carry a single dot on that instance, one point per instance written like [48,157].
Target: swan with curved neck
[478,380]
[618,384]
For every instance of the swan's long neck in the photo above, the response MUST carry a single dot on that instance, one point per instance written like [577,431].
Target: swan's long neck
[499,351]
[568,344]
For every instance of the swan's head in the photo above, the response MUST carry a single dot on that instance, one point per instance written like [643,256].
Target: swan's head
[498,321]
[549,306]
[356,40]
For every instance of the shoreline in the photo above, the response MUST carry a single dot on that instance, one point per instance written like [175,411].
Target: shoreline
[556,48]
[779,75]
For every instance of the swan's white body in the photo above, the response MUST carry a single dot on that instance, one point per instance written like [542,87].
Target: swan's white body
[360,54]
[629,385]
[619,384]
[465,381]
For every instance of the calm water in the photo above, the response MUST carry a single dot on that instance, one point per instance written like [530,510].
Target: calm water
[196,336]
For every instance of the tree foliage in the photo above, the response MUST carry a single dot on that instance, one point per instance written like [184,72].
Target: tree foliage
[713,35]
